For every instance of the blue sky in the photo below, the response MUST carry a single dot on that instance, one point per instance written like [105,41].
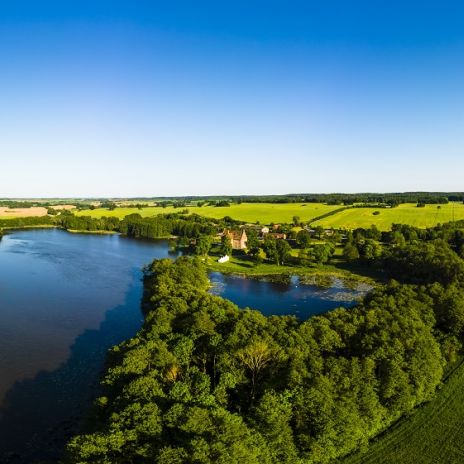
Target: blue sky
[138,98]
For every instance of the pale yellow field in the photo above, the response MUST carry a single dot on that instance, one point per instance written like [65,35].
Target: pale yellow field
[6,213]
[67,207]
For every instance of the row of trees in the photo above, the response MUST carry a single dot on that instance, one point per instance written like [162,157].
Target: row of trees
[134,225]
[390,199]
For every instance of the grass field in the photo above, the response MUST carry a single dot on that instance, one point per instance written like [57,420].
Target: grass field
[432,435]
[265,213]
[428,216]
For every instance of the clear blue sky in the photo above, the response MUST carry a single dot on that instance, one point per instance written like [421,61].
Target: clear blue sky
[142,98]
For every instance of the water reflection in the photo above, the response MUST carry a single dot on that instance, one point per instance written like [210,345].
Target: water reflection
[278,298]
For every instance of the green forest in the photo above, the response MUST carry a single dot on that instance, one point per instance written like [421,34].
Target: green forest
[206,382]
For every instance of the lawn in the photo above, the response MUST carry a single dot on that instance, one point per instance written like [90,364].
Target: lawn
[265,213]
[408,213]
[433,434]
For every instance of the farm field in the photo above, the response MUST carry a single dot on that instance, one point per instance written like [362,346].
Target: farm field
[407,213]
[433,434]
[7,213]
[265,213]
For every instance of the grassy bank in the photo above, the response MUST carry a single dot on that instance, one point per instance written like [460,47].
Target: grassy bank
[314,274]
[97,232]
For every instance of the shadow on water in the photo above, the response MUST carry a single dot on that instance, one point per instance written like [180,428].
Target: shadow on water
[40,414]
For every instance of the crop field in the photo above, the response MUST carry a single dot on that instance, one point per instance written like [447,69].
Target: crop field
[432,435]
[408,213]
[265,213]
[8,213]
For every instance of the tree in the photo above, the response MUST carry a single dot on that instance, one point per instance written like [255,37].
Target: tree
[296,220]
[319,230]
[277,250]
[203,245]
[255,357]
[303,238]
[270,248]
[350,252]
[370,250]
[253,245]
[321,253]
[226,245]
[283,250]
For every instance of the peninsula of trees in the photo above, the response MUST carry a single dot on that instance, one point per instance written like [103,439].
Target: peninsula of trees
[206,382]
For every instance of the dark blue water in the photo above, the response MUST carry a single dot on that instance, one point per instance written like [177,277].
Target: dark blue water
[280,298]
[64,300]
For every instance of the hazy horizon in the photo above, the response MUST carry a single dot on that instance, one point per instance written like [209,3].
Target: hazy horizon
[114,99]
[193,196]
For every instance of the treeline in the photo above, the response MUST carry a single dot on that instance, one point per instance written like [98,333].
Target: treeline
[31,203]
[32,221]
[206,382]
[136,226]
[389,199]
[191,226]
[376,247]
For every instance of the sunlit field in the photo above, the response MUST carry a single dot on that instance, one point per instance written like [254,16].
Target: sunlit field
[265,213]
[408,213]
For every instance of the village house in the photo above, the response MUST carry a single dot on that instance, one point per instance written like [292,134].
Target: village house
[238,238]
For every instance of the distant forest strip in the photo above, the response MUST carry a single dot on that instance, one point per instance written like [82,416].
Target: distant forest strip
[206,382]
[32,221]
[391,199]
[329,198]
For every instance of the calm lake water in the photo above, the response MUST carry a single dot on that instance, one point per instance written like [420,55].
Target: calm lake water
[64,300]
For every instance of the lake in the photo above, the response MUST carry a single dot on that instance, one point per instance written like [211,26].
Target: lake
[64,300]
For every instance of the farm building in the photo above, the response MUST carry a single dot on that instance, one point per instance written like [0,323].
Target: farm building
[238,238]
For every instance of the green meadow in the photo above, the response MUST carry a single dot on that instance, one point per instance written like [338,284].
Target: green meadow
[433,434]
[407,213]
[265,213]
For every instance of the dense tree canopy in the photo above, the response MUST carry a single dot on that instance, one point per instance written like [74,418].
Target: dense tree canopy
[206,382]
